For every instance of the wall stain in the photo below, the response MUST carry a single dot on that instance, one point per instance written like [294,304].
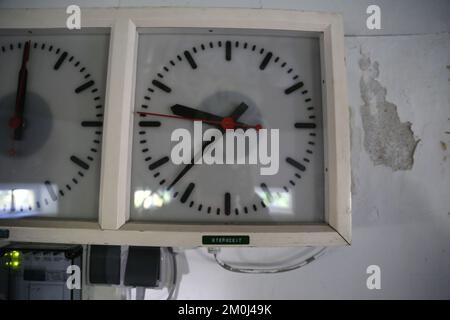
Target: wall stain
[387,140]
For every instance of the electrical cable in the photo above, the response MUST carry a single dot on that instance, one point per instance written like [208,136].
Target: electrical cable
[228,267]
[173,284]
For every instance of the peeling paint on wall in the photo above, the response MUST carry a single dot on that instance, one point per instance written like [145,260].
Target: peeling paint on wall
[387,140]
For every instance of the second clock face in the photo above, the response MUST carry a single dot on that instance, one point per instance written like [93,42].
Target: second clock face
[51,115]
[277,82]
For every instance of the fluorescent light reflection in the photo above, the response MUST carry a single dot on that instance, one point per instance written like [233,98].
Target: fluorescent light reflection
[23,200]
[146,199]
[278,200]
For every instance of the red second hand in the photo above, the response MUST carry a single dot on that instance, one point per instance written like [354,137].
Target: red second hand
[225,123]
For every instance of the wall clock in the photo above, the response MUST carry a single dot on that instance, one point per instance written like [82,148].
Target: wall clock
[51,115]
[276,77]
[258,69]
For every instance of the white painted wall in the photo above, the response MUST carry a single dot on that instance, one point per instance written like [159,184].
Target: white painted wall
[401,219]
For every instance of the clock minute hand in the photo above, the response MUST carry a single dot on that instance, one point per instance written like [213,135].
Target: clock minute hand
[237,112]
[16,122]
[189,166]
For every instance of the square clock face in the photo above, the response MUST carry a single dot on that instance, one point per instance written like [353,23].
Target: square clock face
[228,79]
[51,111]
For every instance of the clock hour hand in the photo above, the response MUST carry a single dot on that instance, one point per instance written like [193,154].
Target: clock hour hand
[16,122]
[192,113]
[237,112]
[213,119]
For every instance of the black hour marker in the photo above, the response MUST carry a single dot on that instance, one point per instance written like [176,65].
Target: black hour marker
[149,123]
[84,86]
[158,163]
[161,86]
[265,61]
[228,50]
[79,162]
[187,192]
[227,203]
[294,87]
[295,164]
[92,124]
[302,125]
[60,60]
[190,60]
[266,190]
[50,190]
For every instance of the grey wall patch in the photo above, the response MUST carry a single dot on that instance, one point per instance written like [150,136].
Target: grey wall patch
[388,141]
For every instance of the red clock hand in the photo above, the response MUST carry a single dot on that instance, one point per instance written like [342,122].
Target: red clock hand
[225,123]
[16,122]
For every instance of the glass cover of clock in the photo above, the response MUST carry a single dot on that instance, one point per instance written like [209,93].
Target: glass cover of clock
[228,128]
[51,112]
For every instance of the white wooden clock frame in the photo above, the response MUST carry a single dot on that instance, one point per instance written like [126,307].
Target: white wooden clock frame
[112,226]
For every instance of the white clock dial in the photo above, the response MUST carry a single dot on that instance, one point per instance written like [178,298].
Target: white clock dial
[277,78]
[51,119]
